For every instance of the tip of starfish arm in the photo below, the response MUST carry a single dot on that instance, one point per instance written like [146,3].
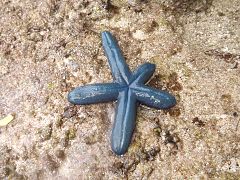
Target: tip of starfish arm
[165,101]
[72,97]
[170,102]
[105,32]
[154,98]
[106,35]
[118,150]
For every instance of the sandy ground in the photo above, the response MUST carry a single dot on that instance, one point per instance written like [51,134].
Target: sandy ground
[49,47]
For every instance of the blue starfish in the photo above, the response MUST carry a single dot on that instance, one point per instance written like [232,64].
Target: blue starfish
[127,88]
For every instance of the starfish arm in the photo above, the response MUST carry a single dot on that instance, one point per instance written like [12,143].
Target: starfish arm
[124,123]
[94,93]
[120,71]
[154,97]
[143,73]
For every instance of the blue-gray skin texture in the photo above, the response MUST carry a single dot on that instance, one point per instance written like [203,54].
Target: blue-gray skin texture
[127,88]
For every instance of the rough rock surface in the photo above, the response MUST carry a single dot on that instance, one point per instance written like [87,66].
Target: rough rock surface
[49,47]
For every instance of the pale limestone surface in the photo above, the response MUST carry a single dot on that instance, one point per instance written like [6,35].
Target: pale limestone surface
[49,47]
